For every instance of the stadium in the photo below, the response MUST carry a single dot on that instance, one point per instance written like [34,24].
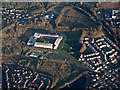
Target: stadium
[45,40]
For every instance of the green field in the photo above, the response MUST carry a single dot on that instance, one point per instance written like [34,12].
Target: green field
[45,40]
[66,47]
[72,43]
[106,49]
[88,51]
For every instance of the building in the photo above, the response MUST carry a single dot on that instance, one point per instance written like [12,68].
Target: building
[32,40]
[102,39]
[57,42]
[37,35]
[43,45]
[35,54]
[108,52]
[115,11]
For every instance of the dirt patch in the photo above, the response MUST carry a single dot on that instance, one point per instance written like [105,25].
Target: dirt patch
[28,33]
[111,5]
[83,48]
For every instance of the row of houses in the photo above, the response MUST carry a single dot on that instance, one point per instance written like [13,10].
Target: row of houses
[93,49]
[92,54]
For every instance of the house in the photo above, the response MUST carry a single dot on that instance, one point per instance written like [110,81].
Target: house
[108,52]
[12,13]
[97,53]
[107,62]
[105,57]
[81,59]
[99,43]
[97,69]
[52,16]
[94,80]
[11,10]
[113,61]
[115,11]
[86,38]
[81,56]
[114,17]
[99,60]
[93,40]
[86,42]
[113,79]
[102,46]
[27,14]
[111,56]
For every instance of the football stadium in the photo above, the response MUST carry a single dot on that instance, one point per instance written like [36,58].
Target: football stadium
[45,40]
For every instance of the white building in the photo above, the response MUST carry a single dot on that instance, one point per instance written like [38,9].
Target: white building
[114,17]
[115,11]
[86,38]
[57,42]
[102,39]
[37,35]
[43,45]
[47,16]
[31,40]
[113,61]
[35,54]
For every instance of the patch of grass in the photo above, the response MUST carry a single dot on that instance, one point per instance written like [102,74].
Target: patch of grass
[66,48]
[72,43]
[56,10]
[23,38]
[106,49]
[88,51]
[45,40]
